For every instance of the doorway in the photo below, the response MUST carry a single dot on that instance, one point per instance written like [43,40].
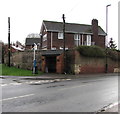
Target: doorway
[51,64]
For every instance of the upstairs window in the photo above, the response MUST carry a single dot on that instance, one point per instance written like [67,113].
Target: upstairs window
[45,37]
[60,35]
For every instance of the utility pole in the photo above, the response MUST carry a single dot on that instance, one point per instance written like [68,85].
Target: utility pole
[64,53]
[9,41]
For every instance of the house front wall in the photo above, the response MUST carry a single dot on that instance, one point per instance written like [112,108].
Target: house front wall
[54,43]
[101,41]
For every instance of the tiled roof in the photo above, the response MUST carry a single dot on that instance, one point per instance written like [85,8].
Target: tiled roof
[71,27]
[31,41]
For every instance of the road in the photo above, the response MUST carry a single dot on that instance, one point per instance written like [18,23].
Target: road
[77,95]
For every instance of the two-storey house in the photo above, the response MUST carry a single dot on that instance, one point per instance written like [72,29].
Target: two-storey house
[75,35]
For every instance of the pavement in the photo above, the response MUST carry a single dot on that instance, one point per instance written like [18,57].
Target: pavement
[50,76]
[47,76]
[111,108]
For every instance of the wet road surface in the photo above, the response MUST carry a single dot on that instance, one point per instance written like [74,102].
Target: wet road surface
[76,95]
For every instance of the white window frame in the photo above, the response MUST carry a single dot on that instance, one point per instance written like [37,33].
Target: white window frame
[44,37]
[89,40]
[77,38]
[60,35]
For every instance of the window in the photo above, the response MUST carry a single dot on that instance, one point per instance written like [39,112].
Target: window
[88,40]
[44,37]
[60,35]
[77,39]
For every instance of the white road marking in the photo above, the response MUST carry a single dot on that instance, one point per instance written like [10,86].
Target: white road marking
[51,80]
[68,79]
[27,82]
[17,97]
[3,84]
[30,82]
[15,83]
[57,79]
[37,82]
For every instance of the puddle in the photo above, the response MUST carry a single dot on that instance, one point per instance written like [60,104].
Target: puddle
[35,84]
[16,81]
[54,86]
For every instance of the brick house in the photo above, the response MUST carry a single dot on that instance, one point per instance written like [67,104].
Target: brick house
[75,34]
[31,39]
[30,42]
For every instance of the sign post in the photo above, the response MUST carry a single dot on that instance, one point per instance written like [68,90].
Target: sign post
[34,60]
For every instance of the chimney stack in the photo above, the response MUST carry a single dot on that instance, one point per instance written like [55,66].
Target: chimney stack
[95,29]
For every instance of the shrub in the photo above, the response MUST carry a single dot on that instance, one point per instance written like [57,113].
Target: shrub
[91,51]
[114,54]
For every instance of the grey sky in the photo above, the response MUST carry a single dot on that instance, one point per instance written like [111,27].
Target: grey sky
[27,15]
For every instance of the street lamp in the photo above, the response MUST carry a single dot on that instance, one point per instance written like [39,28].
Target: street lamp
[107,24]
[106,43]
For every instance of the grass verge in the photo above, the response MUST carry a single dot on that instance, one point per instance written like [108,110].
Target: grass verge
[12,71]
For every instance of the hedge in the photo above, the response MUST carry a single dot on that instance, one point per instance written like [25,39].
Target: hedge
[91,51]
[96,51]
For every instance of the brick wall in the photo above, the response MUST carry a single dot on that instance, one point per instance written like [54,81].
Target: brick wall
[75,63]
[69,41]
[93,65]
[24,60]
[60,64]
[101,41]
[43,66]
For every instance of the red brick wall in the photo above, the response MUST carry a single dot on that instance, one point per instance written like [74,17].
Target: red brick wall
[92,69]
[101,41]
[93,65]
[60,64]
[43,63]
[75,63]
[69,41]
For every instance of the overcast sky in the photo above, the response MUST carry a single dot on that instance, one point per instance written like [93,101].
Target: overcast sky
[27,15]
